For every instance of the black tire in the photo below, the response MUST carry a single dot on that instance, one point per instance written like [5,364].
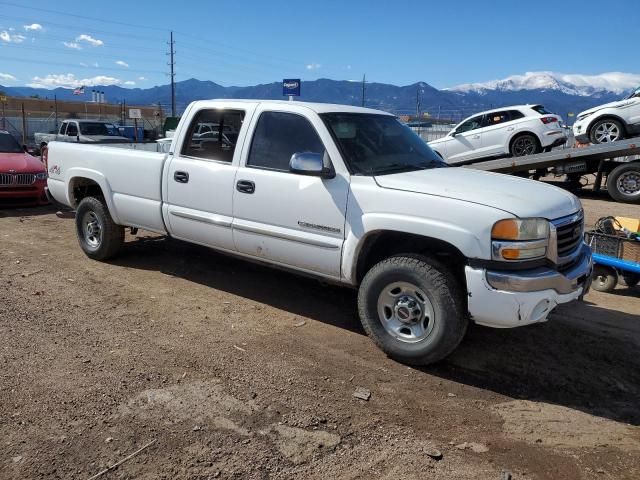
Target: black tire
[102,239]
[630,279]
[445,299]
[623,183]
[524,144]
[604,278]
[597,131]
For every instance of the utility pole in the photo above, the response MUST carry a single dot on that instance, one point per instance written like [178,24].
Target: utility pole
[364,80]
[418,100]
[55,103]
[24,127]
[172,64]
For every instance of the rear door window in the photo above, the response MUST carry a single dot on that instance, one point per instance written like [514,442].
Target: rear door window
[213,135]
[496,118]
[63,127]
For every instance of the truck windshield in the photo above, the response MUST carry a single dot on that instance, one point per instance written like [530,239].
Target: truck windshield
[379,144]
[8,144]
[96,128]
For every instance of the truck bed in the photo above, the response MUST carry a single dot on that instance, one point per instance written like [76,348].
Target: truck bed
[131,178]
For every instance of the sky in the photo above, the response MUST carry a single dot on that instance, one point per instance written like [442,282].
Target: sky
[443,43]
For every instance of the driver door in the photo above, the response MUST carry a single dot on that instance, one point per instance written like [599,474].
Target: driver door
[283,217]
[466,144]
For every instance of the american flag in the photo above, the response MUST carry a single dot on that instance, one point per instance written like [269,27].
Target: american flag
[79,91]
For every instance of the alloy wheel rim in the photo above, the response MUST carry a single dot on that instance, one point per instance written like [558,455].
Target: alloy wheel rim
[524,146]
[92,228]
[607,132]
[406,313]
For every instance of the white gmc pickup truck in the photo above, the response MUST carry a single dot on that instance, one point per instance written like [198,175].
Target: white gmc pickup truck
[349,195]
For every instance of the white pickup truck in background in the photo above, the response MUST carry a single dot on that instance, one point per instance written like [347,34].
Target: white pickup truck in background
[345,194]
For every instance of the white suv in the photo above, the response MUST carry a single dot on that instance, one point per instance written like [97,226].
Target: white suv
[515,131]
[609,122]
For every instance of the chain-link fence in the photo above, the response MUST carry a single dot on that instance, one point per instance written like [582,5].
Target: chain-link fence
[23,117]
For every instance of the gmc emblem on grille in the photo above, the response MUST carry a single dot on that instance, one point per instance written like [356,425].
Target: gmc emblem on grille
[577,231]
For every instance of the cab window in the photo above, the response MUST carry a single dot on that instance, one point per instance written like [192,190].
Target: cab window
[278,136]
[63,127]
[72,130]
[213,135]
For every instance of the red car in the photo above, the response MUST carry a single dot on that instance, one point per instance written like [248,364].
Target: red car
[23,178]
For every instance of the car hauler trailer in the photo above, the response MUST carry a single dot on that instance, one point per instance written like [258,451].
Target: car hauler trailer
[617,163]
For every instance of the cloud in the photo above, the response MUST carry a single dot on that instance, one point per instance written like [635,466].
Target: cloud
[69,80]
[129,82]
[313,66]
[72,45]
[7,76]
[142,79]
[122,63]
[94,42]
[34,27]
[612,81]
[11,38]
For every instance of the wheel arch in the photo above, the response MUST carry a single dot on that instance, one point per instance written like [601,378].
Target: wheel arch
[381,244]
[520,133]
[608,116]
[85,183]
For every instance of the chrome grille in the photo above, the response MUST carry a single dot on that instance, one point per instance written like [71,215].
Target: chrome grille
[569,235]
[17,179]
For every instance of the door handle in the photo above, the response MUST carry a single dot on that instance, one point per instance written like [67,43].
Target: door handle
[245,186]
[181,177]
[510,129]
[475,137]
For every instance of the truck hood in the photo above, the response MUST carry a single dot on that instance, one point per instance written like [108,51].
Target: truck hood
[20,163]
[518,196]
[616,104]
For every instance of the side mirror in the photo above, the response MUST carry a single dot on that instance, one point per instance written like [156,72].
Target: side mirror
[310,164]
[453,133]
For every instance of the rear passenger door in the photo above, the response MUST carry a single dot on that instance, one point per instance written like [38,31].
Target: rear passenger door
[497,130]
[200,180]
[283,217]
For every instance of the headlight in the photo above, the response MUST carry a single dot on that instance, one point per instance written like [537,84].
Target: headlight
[42,176]
[584,115]
[520,239]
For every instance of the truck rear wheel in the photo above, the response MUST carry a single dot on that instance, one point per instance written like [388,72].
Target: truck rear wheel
[623,183]
[413,309]
[99,237]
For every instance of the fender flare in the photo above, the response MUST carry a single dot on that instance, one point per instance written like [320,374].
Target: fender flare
[97,177]
[458,237]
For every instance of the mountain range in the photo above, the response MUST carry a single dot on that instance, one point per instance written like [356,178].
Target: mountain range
[561,94]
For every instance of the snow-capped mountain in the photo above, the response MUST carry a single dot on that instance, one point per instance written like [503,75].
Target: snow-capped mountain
[570,84]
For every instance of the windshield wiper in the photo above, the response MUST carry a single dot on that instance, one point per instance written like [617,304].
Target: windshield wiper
[398,168]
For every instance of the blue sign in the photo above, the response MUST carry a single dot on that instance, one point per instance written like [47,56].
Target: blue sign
[291,87]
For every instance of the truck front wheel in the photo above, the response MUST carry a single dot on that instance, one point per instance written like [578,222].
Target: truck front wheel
[99,237]
[413,309]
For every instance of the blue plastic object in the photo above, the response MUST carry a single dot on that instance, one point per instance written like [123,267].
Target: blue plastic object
[624,265]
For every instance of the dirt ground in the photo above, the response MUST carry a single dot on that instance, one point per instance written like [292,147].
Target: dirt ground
[238,371]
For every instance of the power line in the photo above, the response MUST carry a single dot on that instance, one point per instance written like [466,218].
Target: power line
[61,64]
[82,16]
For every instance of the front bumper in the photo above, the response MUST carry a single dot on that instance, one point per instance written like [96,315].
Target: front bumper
[505,299]
[580,132]
[554,138]
[24,195]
